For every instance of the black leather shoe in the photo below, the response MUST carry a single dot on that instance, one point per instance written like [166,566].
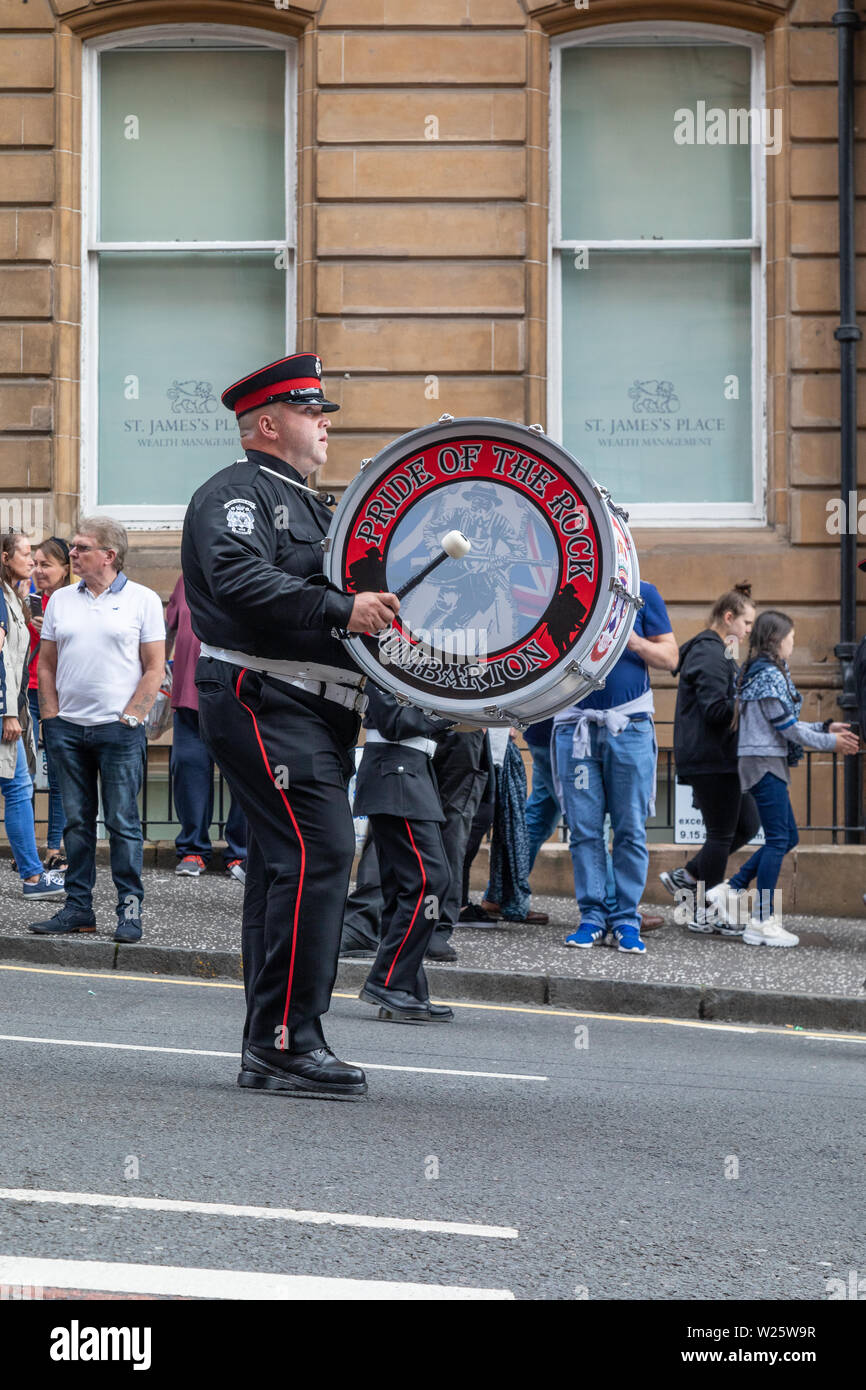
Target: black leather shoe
[439,1013]
[440,952]
[129,930]
[317,1073]
[355,948]
[398,1004]
[64,921]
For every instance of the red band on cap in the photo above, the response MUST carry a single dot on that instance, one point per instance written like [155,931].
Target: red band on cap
[276,388]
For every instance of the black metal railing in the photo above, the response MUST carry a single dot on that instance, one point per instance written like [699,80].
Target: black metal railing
[159,822]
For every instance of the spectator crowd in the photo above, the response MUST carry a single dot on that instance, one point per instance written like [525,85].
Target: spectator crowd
[84,672]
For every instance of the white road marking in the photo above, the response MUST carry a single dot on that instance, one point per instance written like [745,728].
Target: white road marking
[203,1052]
[106,1277]
[310,1218]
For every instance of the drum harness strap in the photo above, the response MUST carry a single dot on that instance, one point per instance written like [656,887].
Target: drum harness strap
[328,682]
[424,745]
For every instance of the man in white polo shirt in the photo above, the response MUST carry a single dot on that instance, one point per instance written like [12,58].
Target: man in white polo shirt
[100,664]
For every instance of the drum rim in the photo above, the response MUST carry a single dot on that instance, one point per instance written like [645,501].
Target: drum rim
[599,504]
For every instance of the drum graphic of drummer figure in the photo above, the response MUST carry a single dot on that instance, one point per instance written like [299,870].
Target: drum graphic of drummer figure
[280,706]
[481,597]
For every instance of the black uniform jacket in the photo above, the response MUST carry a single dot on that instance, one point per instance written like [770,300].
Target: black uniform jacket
[252,566]
[395,781]
[704,741]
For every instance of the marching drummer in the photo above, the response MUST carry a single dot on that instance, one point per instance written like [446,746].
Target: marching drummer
[279,706]
[397,789]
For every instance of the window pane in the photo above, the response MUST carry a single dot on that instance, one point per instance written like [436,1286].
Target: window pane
[192,146]
[623,175]
[655,346]
[177,329]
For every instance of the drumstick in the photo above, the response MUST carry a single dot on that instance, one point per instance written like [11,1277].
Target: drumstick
[454,546]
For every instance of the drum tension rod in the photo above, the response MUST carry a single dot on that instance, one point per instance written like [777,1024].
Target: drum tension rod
[580,670]
[622,592]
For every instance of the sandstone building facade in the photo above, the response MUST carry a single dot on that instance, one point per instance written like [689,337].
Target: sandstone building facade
[472,206]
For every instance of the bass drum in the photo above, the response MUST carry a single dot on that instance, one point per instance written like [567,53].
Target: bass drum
[536,613]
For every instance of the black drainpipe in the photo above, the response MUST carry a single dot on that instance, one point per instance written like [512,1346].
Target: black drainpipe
[848,336]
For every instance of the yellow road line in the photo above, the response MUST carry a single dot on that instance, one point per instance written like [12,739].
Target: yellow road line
[544,1011]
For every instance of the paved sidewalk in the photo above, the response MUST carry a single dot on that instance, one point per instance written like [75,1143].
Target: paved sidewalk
[192,926]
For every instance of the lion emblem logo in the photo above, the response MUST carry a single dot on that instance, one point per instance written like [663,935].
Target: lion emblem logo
[653,398]
[192,398]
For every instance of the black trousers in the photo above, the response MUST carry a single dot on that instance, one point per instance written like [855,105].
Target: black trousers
[480,826]
[731,818]
[286,756]
[362,916]
[414,875]
[460,765]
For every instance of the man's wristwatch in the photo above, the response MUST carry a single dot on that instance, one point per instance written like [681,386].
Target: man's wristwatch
[129,720]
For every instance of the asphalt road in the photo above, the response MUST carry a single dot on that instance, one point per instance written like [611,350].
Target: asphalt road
[632,1159]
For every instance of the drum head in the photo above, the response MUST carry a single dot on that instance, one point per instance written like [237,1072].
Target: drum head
[497,634]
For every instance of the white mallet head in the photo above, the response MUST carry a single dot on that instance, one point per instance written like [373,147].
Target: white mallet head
[455,544]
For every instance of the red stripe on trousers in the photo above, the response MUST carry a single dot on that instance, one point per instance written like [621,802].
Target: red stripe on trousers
[283,1038]
[417,905]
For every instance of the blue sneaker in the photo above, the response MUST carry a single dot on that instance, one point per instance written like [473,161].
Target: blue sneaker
[586,935]
[49,884]
[628,939]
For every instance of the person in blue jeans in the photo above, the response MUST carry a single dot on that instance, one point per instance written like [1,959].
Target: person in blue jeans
[15,781]
[771,736]
[192,766]
[51,571]
[605,757]
[101,661]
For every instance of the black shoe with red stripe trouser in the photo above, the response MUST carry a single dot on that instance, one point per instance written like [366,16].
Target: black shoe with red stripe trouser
[287,757]
[396,788]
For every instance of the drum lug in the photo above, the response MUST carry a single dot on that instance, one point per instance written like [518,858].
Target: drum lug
[445,419]
[536,429]
[515,720]
[579,669]
[621,591]
[326,544]
[403,700]
[492,711]
[364,462]
[612,506]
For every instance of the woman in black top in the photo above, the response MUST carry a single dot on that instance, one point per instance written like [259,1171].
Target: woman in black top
[705,751]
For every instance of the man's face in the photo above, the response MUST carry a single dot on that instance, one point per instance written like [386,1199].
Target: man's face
[87,556]
[480,508]
[302,434]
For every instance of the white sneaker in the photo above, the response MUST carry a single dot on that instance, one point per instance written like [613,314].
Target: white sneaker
[770,932]
[726,903]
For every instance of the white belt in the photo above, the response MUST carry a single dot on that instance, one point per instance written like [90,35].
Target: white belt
[424,745]
[345,691]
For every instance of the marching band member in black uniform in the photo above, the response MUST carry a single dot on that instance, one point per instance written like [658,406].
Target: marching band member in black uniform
[280,705]
[396,788]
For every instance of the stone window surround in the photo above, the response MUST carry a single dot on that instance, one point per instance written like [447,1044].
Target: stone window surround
[544,20]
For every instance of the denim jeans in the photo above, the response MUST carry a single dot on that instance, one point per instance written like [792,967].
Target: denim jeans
[18,812]
[192,784]
[543,811]
[780,831]
[111,756]
[56,818]
[616,777]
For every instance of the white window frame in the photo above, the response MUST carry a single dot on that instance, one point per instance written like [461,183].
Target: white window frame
[669,514]
[162,517]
